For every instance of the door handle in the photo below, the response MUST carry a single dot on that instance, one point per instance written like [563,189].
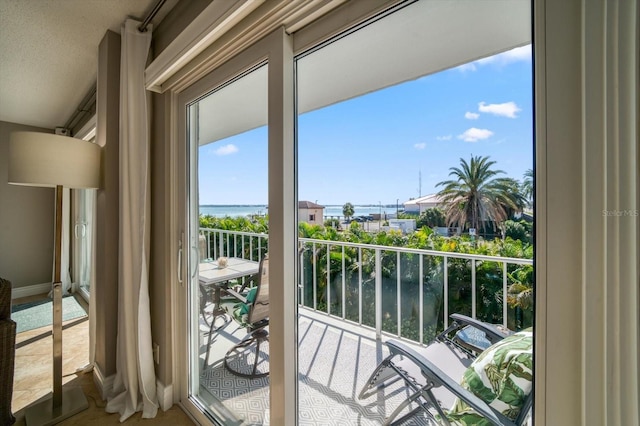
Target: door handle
[179,268]
[196,259]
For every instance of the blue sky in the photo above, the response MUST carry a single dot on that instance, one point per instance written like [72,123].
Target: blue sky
[374,148]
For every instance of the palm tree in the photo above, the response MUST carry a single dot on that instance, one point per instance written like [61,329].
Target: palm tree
[527,186]
[476,196]
[347,211]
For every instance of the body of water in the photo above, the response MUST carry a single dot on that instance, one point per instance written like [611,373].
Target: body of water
[257,209]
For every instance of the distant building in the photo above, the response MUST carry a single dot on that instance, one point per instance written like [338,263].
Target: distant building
[407,226]
[311,213]
[419,205]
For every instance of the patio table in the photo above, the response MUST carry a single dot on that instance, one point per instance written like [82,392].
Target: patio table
[211,274]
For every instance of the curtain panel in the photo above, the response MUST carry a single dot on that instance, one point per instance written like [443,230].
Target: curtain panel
[134,386]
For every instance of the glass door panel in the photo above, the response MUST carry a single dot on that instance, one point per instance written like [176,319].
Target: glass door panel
[82,233]
[384,115]
[229,351]
[83,226]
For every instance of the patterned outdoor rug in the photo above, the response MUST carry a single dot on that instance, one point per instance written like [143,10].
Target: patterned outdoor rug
[333,366]
[40,313]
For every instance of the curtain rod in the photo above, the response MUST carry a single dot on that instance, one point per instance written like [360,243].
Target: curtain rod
[85,107]
[143,27]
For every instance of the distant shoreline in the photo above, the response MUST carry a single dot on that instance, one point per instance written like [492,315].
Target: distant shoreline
[388,206]
[331,210]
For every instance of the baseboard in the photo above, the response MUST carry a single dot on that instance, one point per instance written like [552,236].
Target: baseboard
[165,395]
[104,385]
[30,290]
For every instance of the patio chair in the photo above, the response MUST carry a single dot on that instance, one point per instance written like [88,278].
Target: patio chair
[250,310]
[471,335]
[450,386]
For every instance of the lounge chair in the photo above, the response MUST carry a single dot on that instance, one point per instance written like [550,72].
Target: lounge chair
[449,385]
[250,310]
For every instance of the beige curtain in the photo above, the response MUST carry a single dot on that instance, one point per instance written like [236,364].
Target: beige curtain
[610,328]
[134,386]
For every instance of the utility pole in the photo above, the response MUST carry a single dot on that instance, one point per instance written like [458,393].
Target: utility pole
[419,183]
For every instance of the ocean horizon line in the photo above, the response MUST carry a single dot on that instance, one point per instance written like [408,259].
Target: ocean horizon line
[266,206]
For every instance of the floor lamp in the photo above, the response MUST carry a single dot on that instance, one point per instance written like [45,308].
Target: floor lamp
[47,160]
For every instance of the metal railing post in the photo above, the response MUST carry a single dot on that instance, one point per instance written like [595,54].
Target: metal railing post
[378,295]
[473,288]
[360,285]
[421,299]
[398,294]
[445,274]
[329,279]
[504,294]
[344,287]
[315,278]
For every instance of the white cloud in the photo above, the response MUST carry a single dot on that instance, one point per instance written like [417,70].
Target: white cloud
[522,53]
[467,67]
[471,115]
[443,138]
[507,109]
[226,150]
[474,135]
[420,145]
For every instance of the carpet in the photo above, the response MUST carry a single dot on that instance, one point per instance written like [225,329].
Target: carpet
[40,313]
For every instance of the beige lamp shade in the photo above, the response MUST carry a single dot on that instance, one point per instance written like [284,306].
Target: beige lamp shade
[43,159]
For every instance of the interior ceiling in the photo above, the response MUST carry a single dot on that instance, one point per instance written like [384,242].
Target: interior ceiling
[49,53]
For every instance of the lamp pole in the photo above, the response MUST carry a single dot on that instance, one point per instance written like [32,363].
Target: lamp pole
[47,160]
[397,210]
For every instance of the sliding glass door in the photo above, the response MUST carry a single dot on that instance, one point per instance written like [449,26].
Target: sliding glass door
[386,115]
[82,221]
[385,111]
[227,236]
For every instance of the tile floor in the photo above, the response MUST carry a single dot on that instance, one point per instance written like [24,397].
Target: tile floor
[33,375]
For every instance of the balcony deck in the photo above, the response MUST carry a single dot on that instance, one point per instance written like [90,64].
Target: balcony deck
[335,358]
[398,291]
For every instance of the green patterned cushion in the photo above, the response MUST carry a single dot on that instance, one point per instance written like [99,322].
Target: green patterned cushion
[501,376]
[238,310]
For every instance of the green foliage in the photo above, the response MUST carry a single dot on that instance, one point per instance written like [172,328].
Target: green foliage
[477,197]
[323,264]
[231,247]
[527,187]
[258,224]
[518,230]
[431,218]
[348,210]
[332,223]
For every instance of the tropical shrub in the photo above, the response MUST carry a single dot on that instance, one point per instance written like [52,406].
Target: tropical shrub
[518,230]
[322,264]
[431,218]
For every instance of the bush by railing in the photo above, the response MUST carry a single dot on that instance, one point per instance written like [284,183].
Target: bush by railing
[393,288]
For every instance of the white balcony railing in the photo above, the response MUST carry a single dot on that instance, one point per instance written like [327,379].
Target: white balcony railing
[393,290]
